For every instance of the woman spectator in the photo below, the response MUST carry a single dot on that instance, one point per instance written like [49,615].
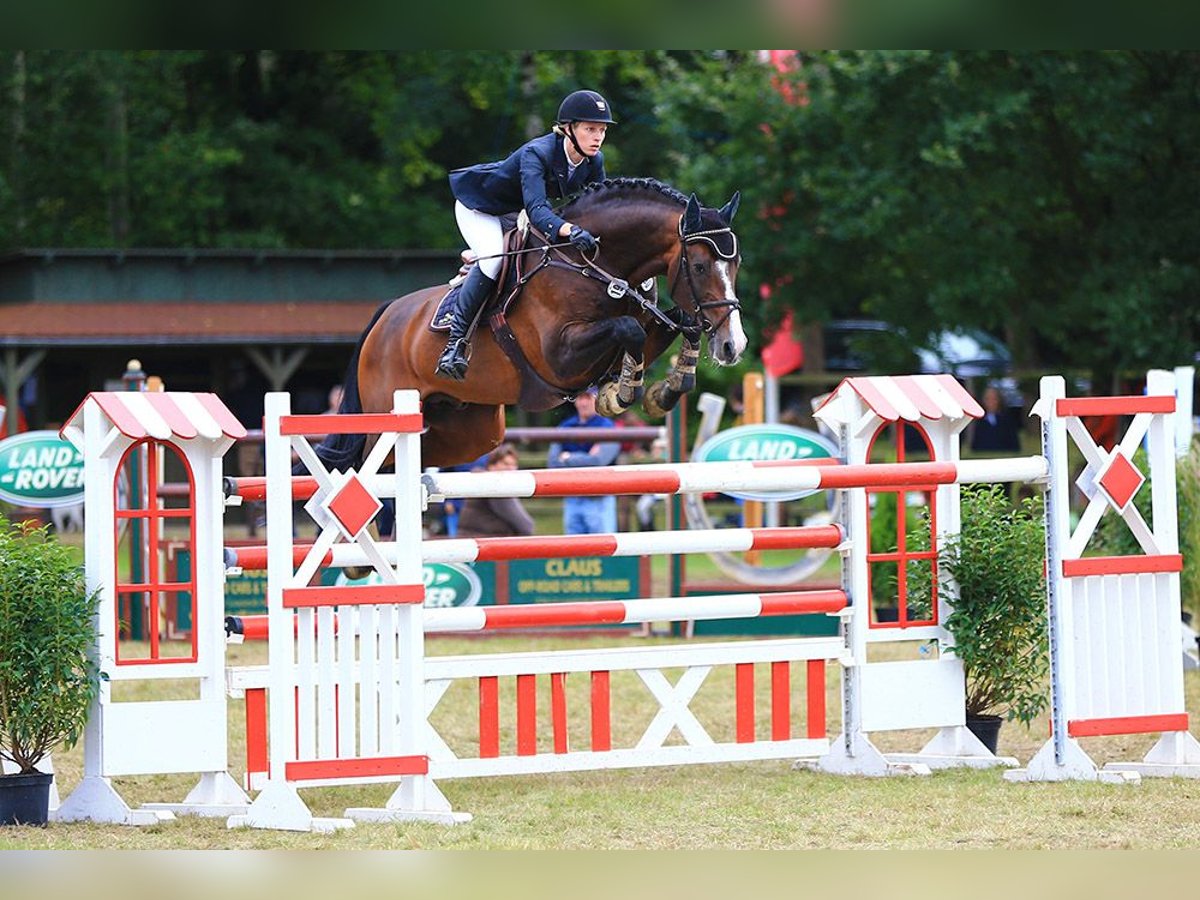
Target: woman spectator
[496,516]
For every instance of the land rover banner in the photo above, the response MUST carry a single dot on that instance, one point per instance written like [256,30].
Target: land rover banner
[760,443]
[39,469]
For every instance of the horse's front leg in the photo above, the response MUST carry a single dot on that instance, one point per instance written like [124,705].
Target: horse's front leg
[614,397]
[662,396]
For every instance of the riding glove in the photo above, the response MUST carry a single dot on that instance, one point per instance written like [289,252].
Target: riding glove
[582,239]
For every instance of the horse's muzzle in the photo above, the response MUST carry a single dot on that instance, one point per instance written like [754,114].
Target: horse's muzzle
[727,343]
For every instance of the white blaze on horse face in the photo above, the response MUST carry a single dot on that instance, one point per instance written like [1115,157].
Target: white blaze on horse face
[730,338]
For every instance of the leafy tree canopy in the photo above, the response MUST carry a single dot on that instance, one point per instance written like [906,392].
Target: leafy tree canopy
[1046,197]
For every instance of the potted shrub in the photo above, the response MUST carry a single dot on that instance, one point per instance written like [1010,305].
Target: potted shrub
[47,677]
[997,588]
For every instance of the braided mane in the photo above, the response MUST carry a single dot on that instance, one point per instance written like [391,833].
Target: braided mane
[620,188]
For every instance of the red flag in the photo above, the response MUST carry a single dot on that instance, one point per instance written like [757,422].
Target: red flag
[784,354]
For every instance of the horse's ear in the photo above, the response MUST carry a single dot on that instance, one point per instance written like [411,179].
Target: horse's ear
[729,210]
[691,216]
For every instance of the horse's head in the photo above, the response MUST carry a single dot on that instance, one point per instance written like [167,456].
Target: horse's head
[705,270]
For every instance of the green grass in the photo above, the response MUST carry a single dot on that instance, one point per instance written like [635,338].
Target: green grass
[747,805]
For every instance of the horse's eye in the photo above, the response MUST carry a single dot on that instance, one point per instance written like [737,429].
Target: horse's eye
[699,268]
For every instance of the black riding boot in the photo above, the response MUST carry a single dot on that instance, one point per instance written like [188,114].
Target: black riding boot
[453,361]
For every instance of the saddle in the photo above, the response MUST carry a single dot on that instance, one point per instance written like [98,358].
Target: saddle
[536,393]
[512,266]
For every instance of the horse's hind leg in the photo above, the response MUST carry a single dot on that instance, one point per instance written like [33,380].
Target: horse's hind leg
[662,396]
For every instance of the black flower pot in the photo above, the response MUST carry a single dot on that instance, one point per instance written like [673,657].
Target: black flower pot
[986,728]
[25,799]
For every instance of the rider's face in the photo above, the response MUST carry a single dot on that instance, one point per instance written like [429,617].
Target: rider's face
[590,136]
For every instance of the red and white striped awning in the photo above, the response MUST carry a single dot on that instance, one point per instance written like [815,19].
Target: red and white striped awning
[909,397]
[161,415]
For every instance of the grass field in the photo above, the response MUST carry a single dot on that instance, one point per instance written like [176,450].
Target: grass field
[763,805]
[735,806]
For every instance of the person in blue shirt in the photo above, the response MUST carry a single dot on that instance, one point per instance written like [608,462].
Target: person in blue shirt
[586,515]
[998,430]
[547,167]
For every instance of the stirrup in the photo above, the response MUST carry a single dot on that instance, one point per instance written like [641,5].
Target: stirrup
[454,360]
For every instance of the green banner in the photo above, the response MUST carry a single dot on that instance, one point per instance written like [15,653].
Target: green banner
[39,469]
[574,578]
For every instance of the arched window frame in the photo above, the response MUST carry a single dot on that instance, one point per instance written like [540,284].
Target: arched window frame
[903,555]
[148,508]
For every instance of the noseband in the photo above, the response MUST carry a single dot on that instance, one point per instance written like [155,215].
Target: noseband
[709,237]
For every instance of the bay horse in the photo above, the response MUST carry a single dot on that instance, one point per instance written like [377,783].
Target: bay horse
[576,322]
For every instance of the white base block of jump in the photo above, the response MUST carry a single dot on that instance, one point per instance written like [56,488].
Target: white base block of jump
[954,747]
[1076,765]
[95,800]
[216,795]
[417,799]
[1177,754]
[278,806]
[862,758]
[384,814]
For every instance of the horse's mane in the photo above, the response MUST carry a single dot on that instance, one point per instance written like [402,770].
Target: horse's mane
[620,188]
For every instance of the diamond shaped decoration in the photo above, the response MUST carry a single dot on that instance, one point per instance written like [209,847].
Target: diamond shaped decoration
[353,506]
[1120,480]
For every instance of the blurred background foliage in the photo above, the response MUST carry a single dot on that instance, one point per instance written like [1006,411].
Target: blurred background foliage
[1047,197]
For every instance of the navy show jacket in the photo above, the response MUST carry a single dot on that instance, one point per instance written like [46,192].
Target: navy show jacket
[530,177]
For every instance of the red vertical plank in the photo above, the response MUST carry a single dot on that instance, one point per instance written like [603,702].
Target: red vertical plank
[745,703]
[489,717]
[153,577]
[257,758]
[526,715]
[601,715]
[781,700]
[816,698]
[558,710]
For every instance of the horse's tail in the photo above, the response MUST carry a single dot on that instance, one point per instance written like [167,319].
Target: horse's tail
[341,451]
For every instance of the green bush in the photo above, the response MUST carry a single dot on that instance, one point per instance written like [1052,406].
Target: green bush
[998,596]
[47,678]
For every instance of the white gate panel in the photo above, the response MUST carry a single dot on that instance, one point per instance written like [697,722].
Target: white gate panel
[184,737]
[913,694]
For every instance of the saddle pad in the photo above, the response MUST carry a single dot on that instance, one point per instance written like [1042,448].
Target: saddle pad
[443,313]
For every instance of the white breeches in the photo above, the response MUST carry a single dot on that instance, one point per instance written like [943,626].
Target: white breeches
[484,235]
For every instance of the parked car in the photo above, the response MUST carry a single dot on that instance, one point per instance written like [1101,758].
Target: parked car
[861,345]
[866,345]
[967,353]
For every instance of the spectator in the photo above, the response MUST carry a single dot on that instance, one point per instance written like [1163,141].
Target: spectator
[446,516]
[646,502]
[997,430]
[244,397]
[631,452]
[496,516]
[586,515]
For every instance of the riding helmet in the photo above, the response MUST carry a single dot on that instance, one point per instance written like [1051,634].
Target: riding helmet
[585,106]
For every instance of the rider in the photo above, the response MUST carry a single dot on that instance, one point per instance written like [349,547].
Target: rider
[547,167]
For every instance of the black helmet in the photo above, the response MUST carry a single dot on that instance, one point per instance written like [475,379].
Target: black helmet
[585,106]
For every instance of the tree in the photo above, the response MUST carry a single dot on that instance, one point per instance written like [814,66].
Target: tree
[1042,196]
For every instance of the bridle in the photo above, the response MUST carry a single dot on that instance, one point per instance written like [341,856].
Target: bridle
[709,237]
